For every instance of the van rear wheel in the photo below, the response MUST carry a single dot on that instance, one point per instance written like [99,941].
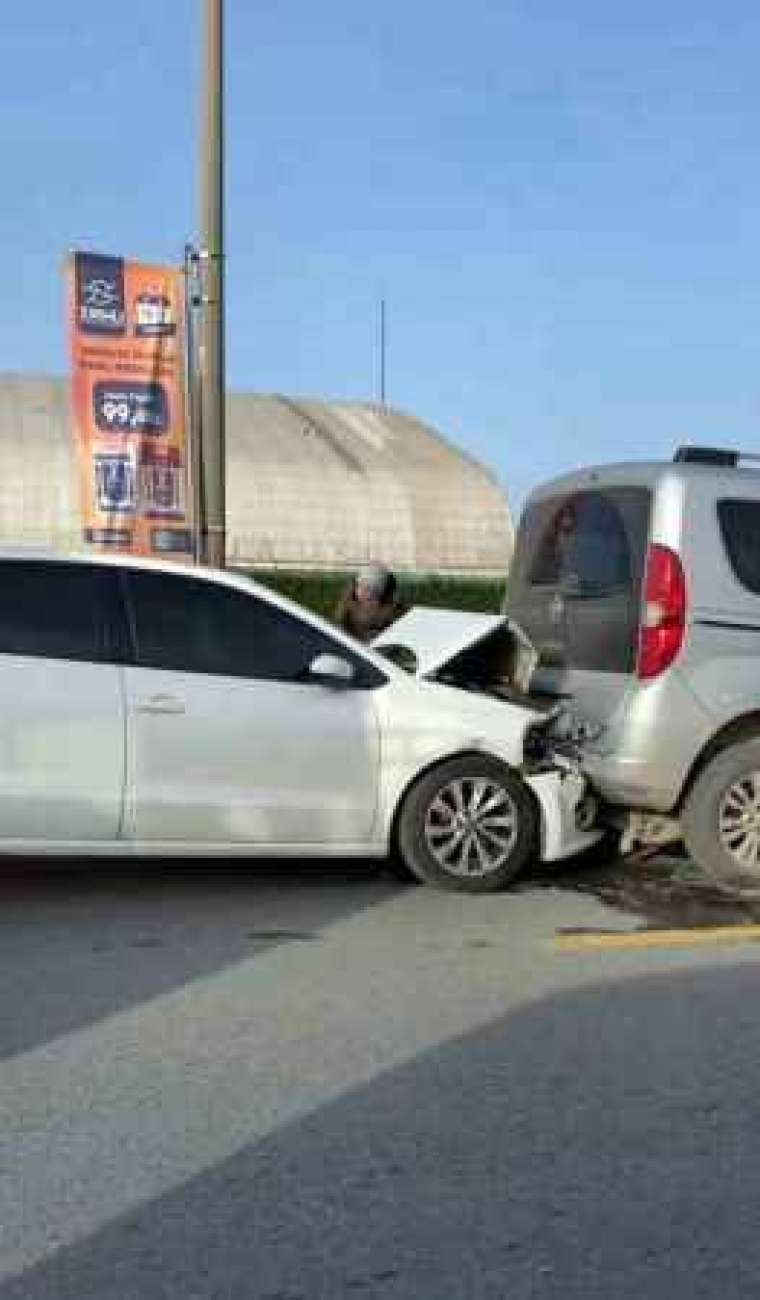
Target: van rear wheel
[721,818]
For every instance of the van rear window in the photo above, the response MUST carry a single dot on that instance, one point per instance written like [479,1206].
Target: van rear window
[740,529]
[575,583]
[584,547]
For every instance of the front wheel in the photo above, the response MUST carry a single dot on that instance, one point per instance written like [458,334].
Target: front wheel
[469,825]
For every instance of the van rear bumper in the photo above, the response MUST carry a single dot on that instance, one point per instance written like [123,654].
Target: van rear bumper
[630,782]
[645,754]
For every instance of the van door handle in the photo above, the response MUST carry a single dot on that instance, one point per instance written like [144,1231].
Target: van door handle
[161,704]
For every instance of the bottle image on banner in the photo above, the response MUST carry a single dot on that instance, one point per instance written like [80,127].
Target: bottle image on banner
[163,482]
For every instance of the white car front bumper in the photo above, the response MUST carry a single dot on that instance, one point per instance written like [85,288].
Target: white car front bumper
[567,812]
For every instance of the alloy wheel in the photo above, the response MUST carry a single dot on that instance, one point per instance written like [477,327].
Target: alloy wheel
[739,821]
[471,827]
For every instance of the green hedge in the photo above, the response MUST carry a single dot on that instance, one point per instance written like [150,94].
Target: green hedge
[319,591]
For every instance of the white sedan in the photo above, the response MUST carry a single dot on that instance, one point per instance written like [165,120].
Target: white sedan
[153,709]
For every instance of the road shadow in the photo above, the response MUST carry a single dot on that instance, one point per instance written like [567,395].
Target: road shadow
[82,940]
[595,1144]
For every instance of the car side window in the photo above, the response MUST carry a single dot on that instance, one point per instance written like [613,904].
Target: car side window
[740,529]
[189,625]
[584,548]
[58,610]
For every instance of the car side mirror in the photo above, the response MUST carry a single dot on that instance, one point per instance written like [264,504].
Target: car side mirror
[331,670]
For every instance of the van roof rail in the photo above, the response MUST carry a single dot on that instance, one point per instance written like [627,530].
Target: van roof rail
[717,456]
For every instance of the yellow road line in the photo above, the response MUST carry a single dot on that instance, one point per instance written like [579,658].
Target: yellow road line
[697,938]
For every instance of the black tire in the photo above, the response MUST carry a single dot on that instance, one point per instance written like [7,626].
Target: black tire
[423,821]
[723,846]
[399,871]
[604,853]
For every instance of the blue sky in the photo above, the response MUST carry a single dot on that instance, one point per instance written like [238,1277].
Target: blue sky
[559,200]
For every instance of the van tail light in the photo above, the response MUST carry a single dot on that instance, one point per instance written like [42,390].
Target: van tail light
[663,621]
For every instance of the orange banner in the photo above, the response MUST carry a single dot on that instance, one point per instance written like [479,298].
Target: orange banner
[127,330]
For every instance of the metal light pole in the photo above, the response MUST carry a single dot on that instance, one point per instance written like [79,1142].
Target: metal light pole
[211,331]
[382,352]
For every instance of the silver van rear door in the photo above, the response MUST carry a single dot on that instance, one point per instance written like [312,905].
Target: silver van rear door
[575,589]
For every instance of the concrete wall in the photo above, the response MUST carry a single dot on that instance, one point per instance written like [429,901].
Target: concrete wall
[309,484]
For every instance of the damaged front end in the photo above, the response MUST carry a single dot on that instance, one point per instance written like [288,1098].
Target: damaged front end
[491,655]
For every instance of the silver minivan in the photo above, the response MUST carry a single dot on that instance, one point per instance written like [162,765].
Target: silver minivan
[639,586]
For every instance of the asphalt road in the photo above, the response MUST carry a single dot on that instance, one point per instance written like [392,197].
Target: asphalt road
[286,1083]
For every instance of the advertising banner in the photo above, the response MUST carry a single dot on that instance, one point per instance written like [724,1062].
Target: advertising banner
[127,332]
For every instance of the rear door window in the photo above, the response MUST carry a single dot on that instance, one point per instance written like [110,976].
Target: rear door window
[740,529]
[575,583]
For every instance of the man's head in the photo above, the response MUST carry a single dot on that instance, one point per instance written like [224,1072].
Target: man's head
[373,583]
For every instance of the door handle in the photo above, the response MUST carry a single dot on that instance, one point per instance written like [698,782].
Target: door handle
[161,704]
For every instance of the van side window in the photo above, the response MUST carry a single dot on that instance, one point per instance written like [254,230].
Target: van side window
[740,529]
[584,548]
[58,610]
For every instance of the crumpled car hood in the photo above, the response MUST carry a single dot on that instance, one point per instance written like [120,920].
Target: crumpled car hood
[436,637]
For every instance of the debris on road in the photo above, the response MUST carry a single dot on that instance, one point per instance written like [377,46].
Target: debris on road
[662,889]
